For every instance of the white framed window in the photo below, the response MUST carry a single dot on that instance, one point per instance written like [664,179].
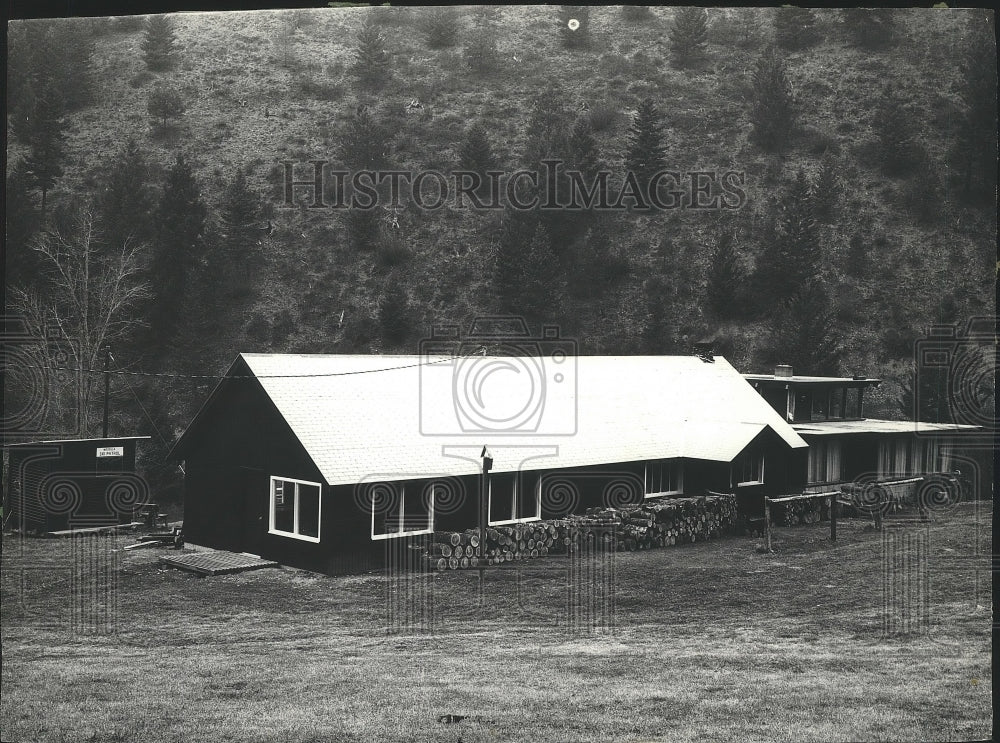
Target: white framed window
[748,469]
[663,477]
[824,461]
[295,508]
[401,510]
[510,503]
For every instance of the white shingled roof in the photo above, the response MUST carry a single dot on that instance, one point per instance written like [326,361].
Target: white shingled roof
[364,418]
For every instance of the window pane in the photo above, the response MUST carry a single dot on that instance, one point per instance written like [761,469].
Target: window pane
[837,402]
[527,497]
[852,408]
[386,503]
[803,405]
[309,510]
[501,497]
[820,402]
[284,505]
[417,506]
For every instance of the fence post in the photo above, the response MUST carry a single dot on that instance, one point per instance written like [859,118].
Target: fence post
[767,521]
[833,518]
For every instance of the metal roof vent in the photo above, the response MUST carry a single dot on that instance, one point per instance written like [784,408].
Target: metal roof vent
[783,370]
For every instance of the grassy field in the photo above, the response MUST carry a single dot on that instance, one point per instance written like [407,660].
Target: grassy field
[879,637]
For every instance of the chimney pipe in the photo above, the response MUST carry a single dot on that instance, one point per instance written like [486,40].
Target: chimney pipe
[783,370]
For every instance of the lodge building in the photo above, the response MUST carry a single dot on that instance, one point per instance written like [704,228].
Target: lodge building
[317,460]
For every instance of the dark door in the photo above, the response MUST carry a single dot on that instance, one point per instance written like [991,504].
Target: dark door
[255,495]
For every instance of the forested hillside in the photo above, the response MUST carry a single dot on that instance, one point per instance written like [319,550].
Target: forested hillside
[145,188]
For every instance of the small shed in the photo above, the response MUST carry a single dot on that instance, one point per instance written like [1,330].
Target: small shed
[71,484]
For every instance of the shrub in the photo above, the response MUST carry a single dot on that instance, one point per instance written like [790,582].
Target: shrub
[441,27]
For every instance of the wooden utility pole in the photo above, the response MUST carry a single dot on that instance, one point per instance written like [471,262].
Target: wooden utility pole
[107,390]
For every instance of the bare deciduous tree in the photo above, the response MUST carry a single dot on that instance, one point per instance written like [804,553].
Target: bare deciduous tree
[83,307]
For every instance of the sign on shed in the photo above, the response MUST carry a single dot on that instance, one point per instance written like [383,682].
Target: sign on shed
[110,451]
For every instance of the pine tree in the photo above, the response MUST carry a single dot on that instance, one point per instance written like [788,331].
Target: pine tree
[795,28]
[22,223]
[826,192]
[688,36]
[179,221]
[546,134]
[583,151]
[164,104]
[395,316]
[857,258]
[125,203]
[45,156]
[365,142]
[773,110]
[158,43]
[894,131]
[976,142]
[792,259]
[240,218]
[805,334]
[363,228]
[481,52]
[476,155]
[574,26]
[371,60]
[726,285]
[527,276]
[870,28]
[441,27]
[646,154]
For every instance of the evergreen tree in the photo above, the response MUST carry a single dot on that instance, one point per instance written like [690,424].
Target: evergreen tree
[546,134]
[476,155]
[646,154]
[857,259]
[726,285]
[792,259]
[826,192]
[366,142]
[164,104]
[241,237]
[795,28]
[805,334]
[922,192]
[179,221]
[481,52]
[158,43]
[976,141]
[45,156]
[574,26]
[124,204]
[363,228]
[897,147]
[870,28]
[584,154]
[688,36]
[371,60]
[773,109]
[395,316]
[527,276]
[22,223]
[441,27]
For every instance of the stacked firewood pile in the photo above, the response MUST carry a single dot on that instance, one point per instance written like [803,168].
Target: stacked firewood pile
[810,511]
[656,524]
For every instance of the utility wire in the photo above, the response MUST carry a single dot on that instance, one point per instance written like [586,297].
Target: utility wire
[244,376]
